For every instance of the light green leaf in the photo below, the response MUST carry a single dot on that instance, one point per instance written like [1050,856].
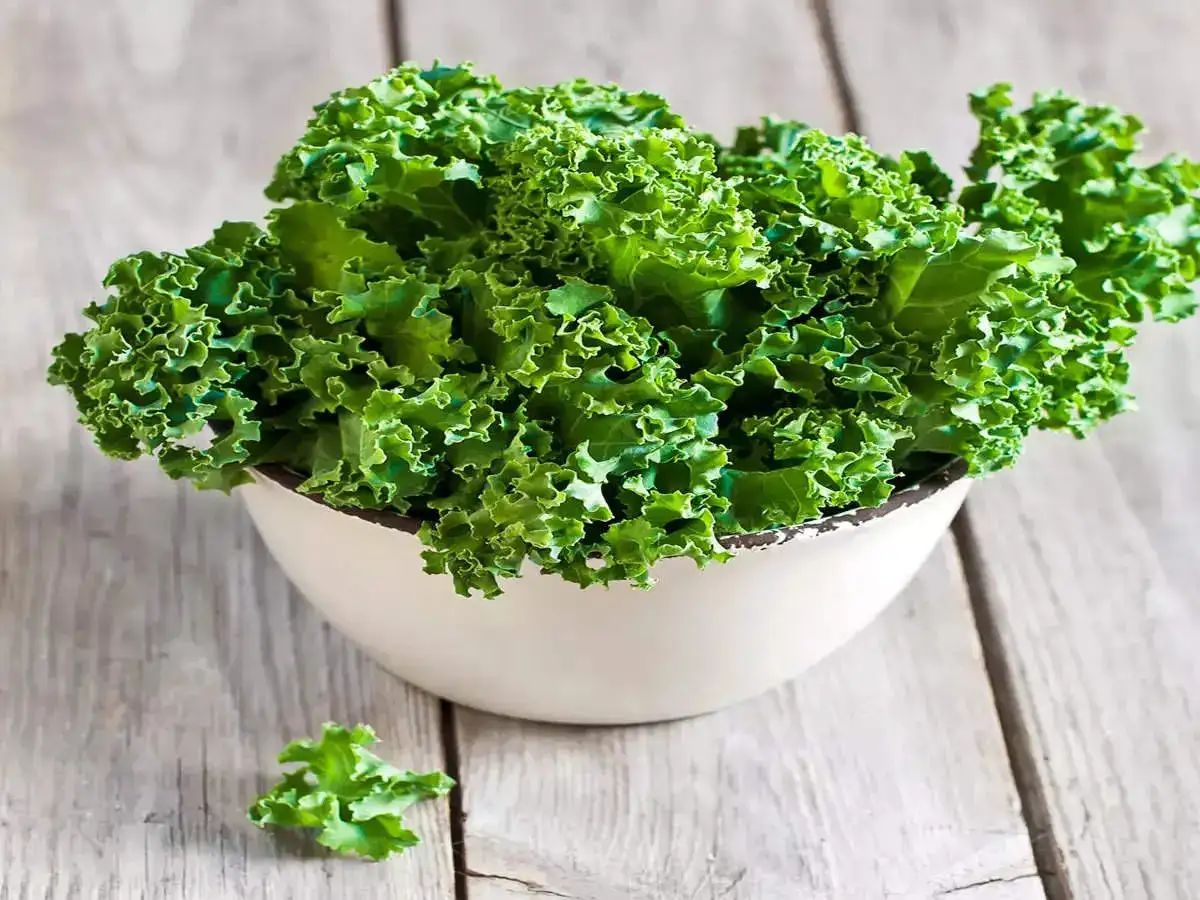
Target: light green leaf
[342,788]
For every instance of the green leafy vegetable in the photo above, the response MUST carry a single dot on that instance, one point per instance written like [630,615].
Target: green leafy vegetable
[355,798]
[565,331]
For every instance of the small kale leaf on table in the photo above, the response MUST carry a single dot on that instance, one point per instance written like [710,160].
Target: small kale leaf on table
[355,798]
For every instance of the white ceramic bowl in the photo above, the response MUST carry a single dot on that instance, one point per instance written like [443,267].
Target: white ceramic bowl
[548,650]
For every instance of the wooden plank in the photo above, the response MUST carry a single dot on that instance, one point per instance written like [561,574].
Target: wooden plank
[1088,550]
[882,772]
[152,659]
[693,52]
[915,93]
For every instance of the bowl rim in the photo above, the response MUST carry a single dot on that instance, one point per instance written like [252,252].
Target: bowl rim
[935,482]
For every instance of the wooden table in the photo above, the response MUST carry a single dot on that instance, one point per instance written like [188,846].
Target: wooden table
[1024,722]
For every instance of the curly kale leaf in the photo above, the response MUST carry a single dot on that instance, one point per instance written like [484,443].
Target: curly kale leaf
[564,331]
[355,799]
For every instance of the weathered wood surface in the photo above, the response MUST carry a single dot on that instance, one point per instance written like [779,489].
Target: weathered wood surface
[880,774]
[1088,551]
[721,63]
[152,658]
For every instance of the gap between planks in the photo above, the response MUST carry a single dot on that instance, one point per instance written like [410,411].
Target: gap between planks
[393,25]
[844,90]
[453,767]
[1047,851]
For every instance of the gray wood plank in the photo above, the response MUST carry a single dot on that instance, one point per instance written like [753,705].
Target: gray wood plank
[880,773]
[693,52]
[1090,568]
[152,658]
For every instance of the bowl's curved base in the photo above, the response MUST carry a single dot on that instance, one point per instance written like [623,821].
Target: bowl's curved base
[551,652]
[612,716]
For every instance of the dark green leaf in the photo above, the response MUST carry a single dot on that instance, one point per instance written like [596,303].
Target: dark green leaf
[568,332]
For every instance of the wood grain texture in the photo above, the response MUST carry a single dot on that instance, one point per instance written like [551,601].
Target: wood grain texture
[881,773]
[721,63]
[878,774]
[1088,550]
[152,658]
